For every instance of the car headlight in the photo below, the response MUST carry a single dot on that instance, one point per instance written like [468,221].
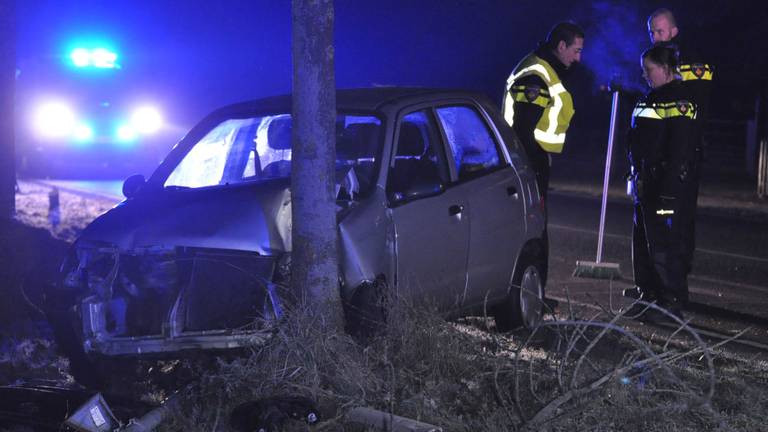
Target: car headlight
[91,269]
[54,120]
[146,120]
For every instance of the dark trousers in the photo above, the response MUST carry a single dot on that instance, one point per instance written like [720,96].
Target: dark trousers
[540,161]
[689,209]
[659,253]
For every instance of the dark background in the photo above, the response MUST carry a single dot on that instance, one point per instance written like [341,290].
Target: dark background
[197,55]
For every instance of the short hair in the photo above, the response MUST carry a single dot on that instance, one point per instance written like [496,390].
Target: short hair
[665,13]
[663,54]
[565,31]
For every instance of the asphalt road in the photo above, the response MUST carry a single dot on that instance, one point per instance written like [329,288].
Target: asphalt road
[729,282]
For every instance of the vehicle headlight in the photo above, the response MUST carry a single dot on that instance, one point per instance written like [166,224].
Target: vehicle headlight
[92,270]
[54,120]
[146,120]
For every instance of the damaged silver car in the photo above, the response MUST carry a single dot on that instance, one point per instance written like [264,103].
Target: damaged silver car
[436,201]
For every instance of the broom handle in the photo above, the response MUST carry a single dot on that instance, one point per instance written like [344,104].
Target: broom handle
[611,134]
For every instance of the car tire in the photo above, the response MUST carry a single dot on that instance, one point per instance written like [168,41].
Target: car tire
[524,305]
[367,310]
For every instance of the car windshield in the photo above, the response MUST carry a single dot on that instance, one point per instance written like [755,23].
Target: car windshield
[259,148]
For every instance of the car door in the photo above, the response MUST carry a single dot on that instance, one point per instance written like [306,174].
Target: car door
[431,223]
[495,195]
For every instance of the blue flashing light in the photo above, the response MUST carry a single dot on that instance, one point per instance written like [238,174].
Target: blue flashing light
[99,58]
[102,58]
[125,134]
[82,133]
[80,57]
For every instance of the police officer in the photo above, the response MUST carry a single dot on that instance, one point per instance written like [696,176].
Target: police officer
[537,104]
[661,150]
[696,74]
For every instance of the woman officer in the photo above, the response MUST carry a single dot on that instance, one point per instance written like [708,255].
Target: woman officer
[661,149]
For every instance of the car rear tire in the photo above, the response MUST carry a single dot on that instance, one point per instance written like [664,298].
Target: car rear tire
[524,305]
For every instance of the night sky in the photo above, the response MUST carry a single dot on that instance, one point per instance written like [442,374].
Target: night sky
[198,55]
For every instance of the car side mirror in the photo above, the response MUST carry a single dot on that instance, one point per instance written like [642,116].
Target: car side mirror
[132,185]
[419,189]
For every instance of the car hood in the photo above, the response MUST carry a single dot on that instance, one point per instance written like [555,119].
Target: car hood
[252,216]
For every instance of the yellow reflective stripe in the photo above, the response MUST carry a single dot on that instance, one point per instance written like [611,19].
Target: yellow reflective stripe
[534,67]
[676,112]
[522,89]
[689,71]
[665,212]
[519,94]
[646,112]
[664,110]
[540,101]
[554,114]
[547,139]
[556,89]
[690,76]
[509,109]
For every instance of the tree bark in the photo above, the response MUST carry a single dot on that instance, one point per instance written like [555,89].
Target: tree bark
[314,268]
[7,94]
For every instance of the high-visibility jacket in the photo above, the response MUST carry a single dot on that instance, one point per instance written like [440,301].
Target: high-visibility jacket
[556,101]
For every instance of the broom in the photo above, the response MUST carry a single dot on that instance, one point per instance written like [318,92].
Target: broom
[598,269]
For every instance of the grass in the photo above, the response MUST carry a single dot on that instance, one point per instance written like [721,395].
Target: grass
[575,374]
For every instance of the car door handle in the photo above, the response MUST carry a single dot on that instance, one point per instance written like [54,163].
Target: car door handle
[511,191]
[455,209]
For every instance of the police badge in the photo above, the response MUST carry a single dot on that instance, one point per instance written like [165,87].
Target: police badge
[698,69]
[531,93]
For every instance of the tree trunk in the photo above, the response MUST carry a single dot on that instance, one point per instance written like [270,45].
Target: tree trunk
[314,271]
[7,83]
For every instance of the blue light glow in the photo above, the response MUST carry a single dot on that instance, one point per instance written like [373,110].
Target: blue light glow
[80,57]
[125,134]
[100,58]
[83,133]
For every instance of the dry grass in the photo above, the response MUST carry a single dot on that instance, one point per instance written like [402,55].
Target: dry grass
[574,374]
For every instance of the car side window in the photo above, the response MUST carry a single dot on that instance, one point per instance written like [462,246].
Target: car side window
[472,145]
[418,167]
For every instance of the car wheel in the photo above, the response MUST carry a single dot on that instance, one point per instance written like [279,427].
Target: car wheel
[524,305]
[367,310]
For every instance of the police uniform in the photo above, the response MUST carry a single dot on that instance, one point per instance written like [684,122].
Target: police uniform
[696,74]
[662,150]
[539,108]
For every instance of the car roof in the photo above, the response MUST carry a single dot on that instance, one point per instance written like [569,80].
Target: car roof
[357,99]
